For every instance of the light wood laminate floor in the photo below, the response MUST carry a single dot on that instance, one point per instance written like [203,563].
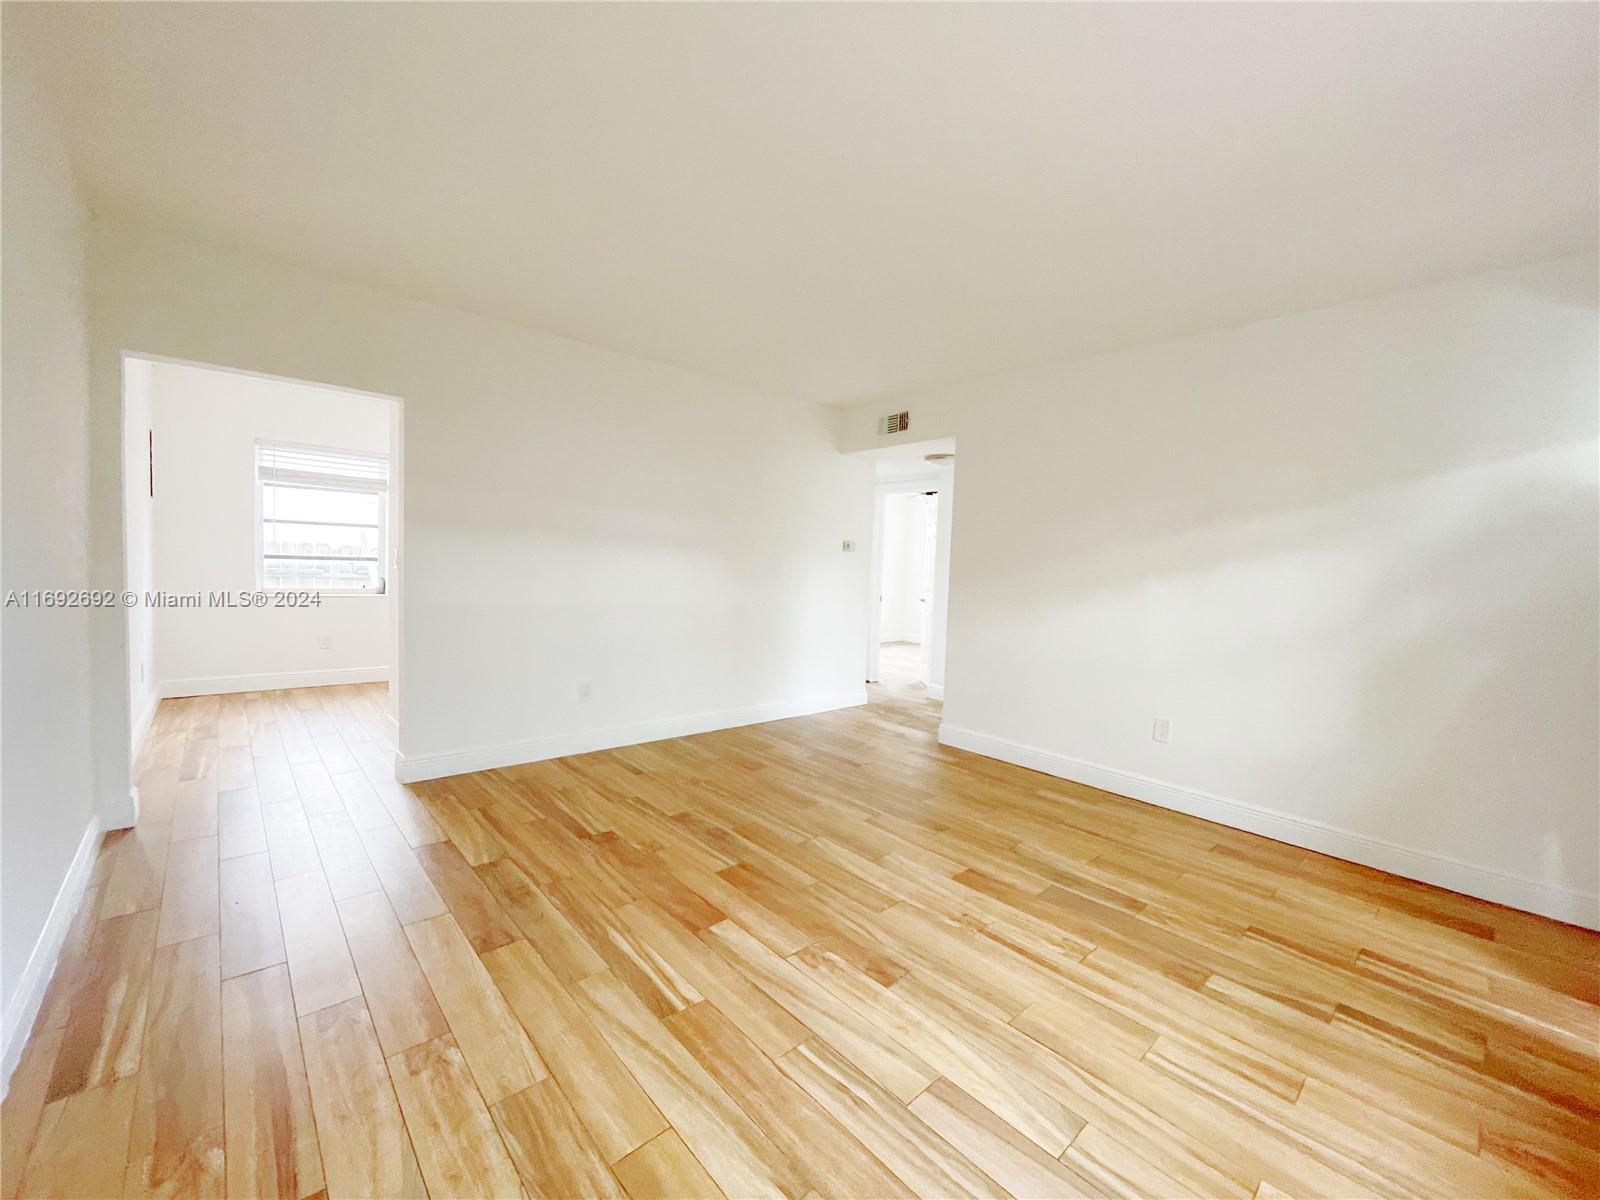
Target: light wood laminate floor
[818,956]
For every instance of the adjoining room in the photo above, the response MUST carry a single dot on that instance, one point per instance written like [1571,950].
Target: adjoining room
[261,534]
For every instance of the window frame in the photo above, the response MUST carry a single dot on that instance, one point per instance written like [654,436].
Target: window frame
[383,520]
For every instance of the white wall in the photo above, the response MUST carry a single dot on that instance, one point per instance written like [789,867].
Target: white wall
[1349,554]
[47,809]
[139,547]
[571,514]
[904,549]
[207,424]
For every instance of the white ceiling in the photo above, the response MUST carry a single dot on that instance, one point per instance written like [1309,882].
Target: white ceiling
[833,201]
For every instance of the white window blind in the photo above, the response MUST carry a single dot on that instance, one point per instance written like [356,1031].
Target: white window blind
[324,514]
[312,466]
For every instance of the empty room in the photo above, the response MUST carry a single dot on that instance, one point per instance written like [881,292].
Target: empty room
[668,600]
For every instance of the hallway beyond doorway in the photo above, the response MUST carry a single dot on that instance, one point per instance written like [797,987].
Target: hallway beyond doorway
[900,665]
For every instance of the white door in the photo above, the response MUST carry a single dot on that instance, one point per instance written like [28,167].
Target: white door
[930,555]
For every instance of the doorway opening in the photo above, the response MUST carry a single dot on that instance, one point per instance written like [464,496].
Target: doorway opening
[261,537]
[910,569]
[905,584]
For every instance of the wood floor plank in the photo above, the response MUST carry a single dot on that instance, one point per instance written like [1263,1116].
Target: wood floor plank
[104,1033]
[252,937]
[466,829]
[1073,1009]
[471,903]
[616,1111]
[177,1133]
[194,809]
[239,825]
[1117,1171]
[1178,1151]
[366,1151]
[271,1136]
[138,870]
[289,840]
[1361,1141]
[834,1161]
[907,1146]
[407,812]
[344,859]
[410,890]
[664,1169]
[320,969]
[858,1038]
[318,796]
[360,801]
[236,768]
[761,1019]
[551,1146]
[649,975]
[189,900]
[1043,1119]
[458,1148]
[733,1151]
[79,1150]
[158,777]
[74,969]
[1014,1162]
[502,1058]
[275,778]
[765,925]
[560,944]
[401,1003]
[334,753]
[648,875]
[233,726]
[23,1106]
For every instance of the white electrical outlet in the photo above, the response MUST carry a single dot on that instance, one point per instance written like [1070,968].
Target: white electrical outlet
[584,692]
[1161,731]
[324,643]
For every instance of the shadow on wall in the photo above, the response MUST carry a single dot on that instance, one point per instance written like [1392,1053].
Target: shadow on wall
[1295,412]
[1417,664]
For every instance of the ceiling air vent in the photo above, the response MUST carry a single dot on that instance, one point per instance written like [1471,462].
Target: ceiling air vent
[894,423]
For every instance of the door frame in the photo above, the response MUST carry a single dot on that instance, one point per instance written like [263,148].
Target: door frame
[394,551]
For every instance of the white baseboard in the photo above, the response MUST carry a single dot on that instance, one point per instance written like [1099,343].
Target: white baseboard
[391,729]
[414,767]
[141,723]
[936,691]
[219,685]
[121,813]
[1529,895]
[22,1006]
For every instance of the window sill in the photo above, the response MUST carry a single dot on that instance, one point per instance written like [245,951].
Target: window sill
[326,595]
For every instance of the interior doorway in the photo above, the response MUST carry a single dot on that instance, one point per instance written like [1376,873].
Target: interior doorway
[261,536]
[910,569]
[906,583]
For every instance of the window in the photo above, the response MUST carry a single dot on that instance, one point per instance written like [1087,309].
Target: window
[323,517]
